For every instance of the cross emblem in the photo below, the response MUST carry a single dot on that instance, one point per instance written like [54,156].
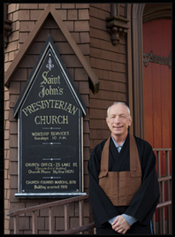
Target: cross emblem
[50,65]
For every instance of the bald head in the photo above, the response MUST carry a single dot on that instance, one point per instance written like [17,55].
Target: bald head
[118,103]
[118,120]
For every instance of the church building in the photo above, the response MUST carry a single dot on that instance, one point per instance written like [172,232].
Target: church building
[87,56]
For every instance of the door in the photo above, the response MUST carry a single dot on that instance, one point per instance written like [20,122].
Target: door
[157,85]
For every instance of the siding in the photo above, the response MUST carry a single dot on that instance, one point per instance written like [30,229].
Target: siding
[87,25]
[109,64]
[25,16]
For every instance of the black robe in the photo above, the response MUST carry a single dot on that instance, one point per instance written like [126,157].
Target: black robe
[144,202]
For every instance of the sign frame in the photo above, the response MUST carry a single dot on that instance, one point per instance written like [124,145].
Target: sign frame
[49,46]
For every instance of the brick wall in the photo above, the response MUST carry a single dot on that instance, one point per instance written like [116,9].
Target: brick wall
[24,17]
[109,64]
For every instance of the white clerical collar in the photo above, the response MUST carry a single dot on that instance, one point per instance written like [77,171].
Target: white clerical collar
[116,144]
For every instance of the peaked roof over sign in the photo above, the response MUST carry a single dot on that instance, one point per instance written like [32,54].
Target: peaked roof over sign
[49,46]
[50,9]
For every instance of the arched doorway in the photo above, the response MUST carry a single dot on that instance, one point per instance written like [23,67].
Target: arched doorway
[157,48]
[157,77]
[151,40]
[142,13]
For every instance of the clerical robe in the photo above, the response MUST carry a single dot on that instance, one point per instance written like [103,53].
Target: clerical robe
[144,202]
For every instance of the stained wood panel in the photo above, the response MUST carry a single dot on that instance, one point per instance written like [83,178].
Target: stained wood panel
[157,84]
[157,89]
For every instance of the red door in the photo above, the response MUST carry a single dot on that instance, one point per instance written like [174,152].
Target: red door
[157,85]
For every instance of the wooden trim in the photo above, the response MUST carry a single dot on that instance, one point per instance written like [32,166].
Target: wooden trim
[137,46]
[157,13]
[66,216]
[82,155]
[51,222]
[164,204]
[47,205]
[51,206]
[34,222]
[114,11]
[26,46]
[81,214]
[16,224]
[50,9]
[77,229]
[7,25]
[129,65]
[137,13]
[115,24]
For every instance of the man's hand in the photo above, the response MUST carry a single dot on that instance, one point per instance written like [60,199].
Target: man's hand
[120,225]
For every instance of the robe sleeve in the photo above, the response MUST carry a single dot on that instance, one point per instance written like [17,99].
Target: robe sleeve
[144,203]
[102,207]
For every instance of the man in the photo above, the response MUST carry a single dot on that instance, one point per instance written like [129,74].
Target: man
[123,185]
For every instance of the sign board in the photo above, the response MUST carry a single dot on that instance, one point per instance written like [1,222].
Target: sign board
[50,112]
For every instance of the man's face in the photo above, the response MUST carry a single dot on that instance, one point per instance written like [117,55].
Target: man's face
[118,120]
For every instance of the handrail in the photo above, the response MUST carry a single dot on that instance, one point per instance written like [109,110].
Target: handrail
[165,178]
[51,206]
[164,204]
[78,229]
[163,212]
[47,205]
[161,149]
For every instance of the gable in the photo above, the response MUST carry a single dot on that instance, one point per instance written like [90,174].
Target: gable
[50,77]
[94,82]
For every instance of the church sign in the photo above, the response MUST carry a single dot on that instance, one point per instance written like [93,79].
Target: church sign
[50,112]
